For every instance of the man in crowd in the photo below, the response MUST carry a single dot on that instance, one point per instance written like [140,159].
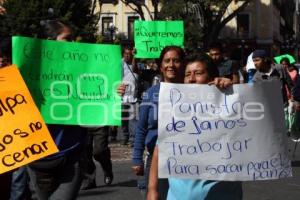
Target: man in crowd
[227,68]
[265,71]
[97,148]
[130,79]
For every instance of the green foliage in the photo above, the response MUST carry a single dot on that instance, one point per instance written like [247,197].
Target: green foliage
[99,39]
[24,17]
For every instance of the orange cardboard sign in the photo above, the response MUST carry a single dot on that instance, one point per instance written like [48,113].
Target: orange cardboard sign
[24,137]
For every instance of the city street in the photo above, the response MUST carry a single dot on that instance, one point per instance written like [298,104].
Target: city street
[125,185]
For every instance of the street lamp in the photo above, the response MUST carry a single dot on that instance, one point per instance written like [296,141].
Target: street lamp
[111,28]
[243,46]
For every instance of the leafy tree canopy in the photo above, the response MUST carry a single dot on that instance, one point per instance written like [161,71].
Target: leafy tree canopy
[25,17]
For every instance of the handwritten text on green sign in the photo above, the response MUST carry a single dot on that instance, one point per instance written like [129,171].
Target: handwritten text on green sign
[72,83]
[151,37]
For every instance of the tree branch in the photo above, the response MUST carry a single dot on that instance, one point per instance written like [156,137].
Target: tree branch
[155,5]
[100,11]
[219,24]
[93,6]
[138,8]
[127,3]
[234,13]
[149,12]
[222,9]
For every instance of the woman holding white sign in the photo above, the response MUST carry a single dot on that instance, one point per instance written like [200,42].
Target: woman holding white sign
[199,70]
[172,69]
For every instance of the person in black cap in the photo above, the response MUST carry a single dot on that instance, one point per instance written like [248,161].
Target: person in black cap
[268,71]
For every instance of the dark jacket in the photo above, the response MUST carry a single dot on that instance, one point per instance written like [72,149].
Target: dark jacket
[147,126]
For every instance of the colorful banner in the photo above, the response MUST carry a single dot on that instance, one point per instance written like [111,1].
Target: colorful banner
[234,135]
[150,37]
[72,83]
[24,136]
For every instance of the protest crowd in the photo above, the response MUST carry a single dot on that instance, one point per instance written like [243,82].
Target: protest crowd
[72,168]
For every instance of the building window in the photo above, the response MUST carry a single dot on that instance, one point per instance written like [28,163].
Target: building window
[243,25]
[106,23]
[130,25]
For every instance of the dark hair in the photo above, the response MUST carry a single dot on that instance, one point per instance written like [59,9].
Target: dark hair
[289,64]
[52,28]
[126,48]
[5,47]
[206,60]
[216,45]
[286,60]
[178,49]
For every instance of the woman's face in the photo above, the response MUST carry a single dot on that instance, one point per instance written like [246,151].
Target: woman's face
[172,67]
[285,64]
[65,35]
[196,72]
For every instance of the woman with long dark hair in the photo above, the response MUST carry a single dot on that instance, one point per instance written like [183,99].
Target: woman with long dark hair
[58,176]
[172,69]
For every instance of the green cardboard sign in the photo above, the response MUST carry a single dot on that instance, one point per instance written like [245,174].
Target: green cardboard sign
[150,37]
[288,56]
[71,83]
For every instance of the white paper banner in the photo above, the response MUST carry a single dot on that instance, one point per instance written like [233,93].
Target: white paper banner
[237,134]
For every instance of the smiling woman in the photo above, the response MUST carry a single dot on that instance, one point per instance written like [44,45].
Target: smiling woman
[172,69]
[171,64]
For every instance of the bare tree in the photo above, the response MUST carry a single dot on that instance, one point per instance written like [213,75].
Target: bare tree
[138,5]
[218,20]
[203,19]
[94,6]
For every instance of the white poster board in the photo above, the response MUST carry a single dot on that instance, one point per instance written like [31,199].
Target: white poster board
[236,134]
